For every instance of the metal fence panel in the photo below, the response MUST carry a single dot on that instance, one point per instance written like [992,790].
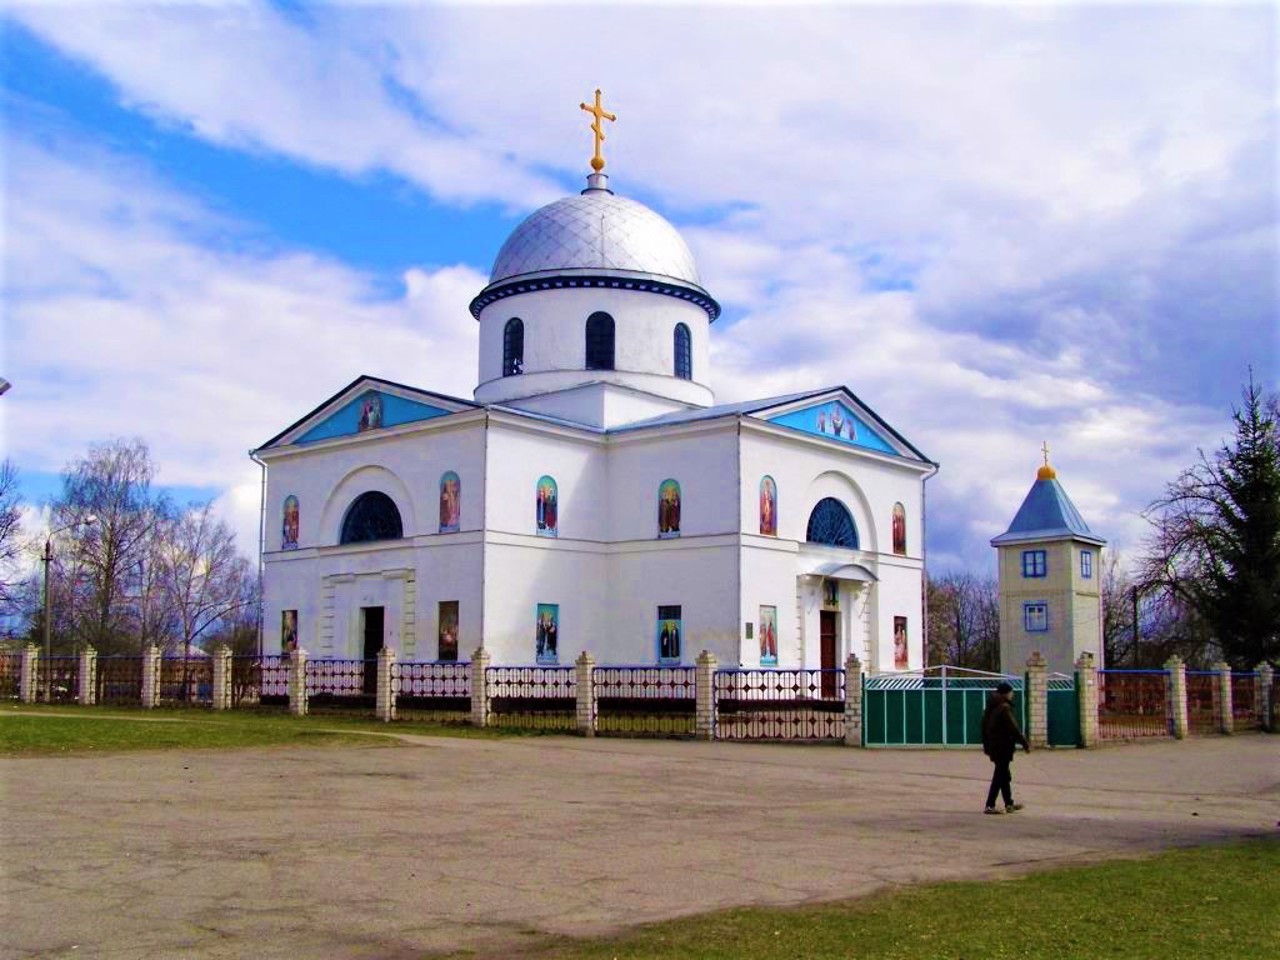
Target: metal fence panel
[119,681]
[1244,701]
[347,687]
[541,698]
[435,691]
[10,675]
[261,682]
[58,679]
[939,706]
[1063,712]
[186,682]
[758,704]
[1202,702]
[645,701]
[1133,704]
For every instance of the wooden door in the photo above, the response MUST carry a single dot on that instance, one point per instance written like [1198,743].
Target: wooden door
[827,637]
[374,621]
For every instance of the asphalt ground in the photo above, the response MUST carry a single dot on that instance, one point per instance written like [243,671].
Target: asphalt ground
[440,844]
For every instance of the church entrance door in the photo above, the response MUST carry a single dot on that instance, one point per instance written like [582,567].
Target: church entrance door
[374,621]
[827,638]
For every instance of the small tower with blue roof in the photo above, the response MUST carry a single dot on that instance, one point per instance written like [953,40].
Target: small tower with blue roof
[1050,580]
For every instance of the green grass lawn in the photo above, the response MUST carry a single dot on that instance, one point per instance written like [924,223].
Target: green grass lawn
[1212,903]
[42,731]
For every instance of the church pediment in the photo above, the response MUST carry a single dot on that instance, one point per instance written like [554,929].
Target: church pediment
[367,406]
[835,419]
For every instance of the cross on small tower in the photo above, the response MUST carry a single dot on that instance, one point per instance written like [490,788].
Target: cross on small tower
[1045,448]
[597,162]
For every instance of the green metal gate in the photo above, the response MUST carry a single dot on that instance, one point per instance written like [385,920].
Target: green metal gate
[935,707]
[1063,711]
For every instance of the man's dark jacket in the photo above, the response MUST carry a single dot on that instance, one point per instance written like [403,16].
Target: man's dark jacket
[1000,731]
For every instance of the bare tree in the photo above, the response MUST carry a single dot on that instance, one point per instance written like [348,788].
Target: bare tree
[964,620]
[203,578]
[99,563]
[10,534]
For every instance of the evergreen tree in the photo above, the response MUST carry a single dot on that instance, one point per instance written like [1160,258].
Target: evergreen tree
[1217,542]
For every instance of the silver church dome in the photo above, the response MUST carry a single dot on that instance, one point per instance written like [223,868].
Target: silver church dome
[595,230]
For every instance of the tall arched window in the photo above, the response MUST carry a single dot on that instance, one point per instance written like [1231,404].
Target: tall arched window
[599,342]
[371,516]
[684,353]
[830,523]
[513,347]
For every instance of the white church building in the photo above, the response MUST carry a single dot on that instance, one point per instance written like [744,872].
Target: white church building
[592,495]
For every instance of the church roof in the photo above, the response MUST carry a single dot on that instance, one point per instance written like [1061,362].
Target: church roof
[595,230]
[1047,513]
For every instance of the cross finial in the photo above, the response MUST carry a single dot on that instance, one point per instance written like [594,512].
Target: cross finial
[1044,447]
[599,113]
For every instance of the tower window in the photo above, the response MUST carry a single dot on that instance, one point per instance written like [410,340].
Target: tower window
[513,347]
[684,353]
[1033,563]
[1086,564]
[1035,617]
[599,342]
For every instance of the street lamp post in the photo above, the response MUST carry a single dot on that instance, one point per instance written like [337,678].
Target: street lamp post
[48,602]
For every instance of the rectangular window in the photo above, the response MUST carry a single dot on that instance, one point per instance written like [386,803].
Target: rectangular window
[1035,617]
[670,626]
[448,630]
[1033,563]
[1086,564]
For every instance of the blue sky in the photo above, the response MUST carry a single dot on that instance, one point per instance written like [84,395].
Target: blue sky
[998,226]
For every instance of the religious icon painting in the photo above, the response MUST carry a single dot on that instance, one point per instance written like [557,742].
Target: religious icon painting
[448,630]
[668,509]
[831,594]
[288,631]
[768,507]
[899,529]
[546,642]
[370,413]
[547,511]
[768,636]
[289,524]
[450,502]
[900,656]
[669,630]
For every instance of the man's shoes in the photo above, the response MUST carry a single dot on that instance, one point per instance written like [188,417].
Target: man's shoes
[993,810]
[1012,807]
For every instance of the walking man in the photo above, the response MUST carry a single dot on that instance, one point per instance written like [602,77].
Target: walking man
[1000,737]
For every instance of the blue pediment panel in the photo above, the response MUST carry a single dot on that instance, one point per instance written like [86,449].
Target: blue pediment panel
[835,421]
[370,411]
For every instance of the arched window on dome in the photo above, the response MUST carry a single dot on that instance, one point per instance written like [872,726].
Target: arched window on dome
[684,353]
[513,347]
[371,516]
[830,523]
[599,342]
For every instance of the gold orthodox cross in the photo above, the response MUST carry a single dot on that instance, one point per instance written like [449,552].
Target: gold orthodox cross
[597,162]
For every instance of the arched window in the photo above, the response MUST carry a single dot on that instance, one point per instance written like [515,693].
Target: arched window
[599,342]
[684,353]
[831,524]
[371,516]
[513,347]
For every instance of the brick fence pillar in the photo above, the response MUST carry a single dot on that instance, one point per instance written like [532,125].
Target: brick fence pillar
[480,687]
[87,693]
[704,724]
[222,678]
[586,683]
[1226,718]
[385,702]
[29,673]
[853,701]
[1038,700]
[151,677]
[1087,689]
[298,682]
[1176,697]
[1266,709]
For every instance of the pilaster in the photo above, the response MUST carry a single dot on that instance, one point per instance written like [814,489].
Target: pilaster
[1087,688]
[385,701]
[1266,708]
[298,682]
[87,693]
[222,678]
[29,673]
[151,677]
[1226,718]
[1177,697]
[1037,699]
